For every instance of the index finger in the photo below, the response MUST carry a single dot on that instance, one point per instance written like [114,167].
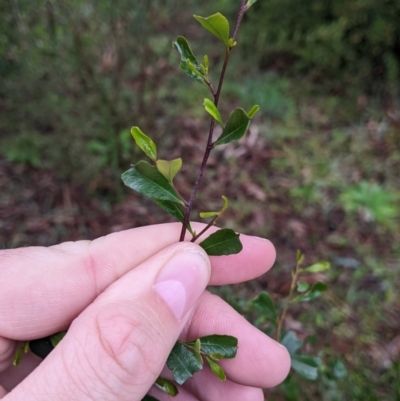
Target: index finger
[44,289]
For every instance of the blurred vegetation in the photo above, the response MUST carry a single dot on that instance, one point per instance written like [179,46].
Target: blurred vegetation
[319,169]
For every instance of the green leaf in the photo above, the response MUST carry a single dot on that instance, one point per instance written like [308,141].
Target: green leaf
[235,128]
[306,366]
[183,363]
[222,346]
[144,143]
[265,306]
[316,268]
[196,350]
[205,215]
[222,242]
[302,286]
[291,342]
[216,369]
[216,24]
[206,63]
[169,168]
[197,345]
[189,63]
[253,111]
[148,181]
[299,257]
[226,203]
[211,109]
[56,338]
[316,291]
[231,43]
[23,349]
[174,209]
[167,386]
[249,3]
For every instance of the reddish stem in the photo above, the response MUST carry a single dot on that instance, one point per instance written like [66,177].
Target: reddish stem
[209,146]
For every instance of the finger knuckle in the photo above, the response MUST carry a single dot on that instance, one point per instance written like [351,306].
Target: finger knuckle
[129,345]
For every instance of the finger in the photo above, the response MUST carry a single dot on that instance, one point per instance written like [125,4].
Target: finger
[38,283]
[12,376]
[3,392]
[260,361]
[7,348]
[117,347]
[207,387]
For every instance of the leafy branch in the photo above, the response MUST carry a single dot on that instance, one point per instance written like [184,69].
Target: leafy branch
[155,179]
[300,291]
[230,43]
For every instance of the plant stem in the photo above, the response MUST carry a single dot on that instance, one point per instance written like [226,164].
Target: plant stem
[209,146]
[210,224]
[287,303]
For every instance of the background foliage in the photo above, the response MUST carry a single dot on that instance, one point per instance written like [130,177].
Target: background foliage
[319,169]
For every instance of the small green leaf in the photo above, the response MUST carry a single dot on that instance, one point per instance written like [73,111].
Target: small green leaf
[235,128]
[169,168]
[216,24]
[196,350]
[183,363]
[265,306]
[23,349]
[56,338]
[231,43]
[189,61]
[291,342]
[194,69]
[144,143]
[148,181]
[206,63]
[316,291]
[249,3]
[316,267]
[197,345]
[167,386]
[299,257]
[253,111]
[206,215]
[222,346]
[302,286]
[222,242]
[216,357]
[306,366]
[226,203]
[211,109]
[216,369]
[18,356]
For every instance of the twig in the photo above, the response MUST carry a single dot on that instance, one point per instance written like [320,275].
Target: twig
[209,146]
[288,300]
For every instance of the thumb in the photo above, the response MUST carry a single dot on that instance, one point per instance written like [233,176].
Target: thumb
[118,345]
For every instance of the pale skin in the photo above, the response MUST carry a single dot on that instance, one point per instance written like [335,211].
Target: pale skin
[121,330]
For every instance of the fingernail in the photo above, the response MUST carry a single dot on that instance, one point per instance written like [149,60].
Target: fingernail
[182,280]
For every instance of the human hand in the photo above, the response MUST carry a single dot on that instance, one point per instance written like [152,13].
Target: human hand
[125,299]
